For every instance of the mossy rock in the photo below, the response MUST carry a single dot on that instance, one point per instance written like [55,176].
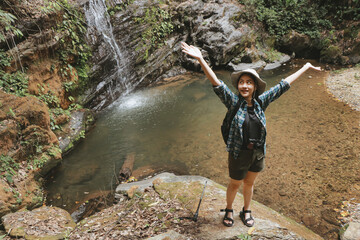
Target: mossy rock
[187,193]
[330,54]
[41,223]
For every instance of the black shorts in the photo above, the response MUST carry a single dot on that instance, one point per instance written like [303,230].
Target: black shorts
[248,160]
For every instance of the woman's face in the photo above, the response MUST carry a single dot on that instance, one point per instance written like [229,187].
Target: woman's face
[246,86]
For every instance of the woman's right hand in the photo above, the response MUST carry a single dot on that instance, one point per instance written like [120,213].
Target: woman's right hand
[191,50]
[195,53]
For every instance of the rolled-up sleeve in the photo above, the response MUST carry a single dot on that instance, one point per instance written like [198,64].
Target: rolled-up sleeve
[274,93]
[225,94]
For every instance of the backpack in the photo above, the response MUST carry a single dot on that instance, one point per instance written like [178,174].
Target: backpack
[225,127]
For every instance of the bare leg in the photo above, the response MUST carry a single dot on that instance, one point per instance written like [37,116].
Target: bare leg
[231,191]
[248,189]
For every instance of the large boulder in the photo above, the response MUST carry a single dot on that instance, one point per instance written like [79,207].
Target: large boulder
[352,231]
[188,190]
[48,223]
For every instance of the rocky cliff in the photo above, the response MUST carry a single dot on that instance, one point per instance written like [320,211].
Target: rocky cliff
[149,35]
[39,77]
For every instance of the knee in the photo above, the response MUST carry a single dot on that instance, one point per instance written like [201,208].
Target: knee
[248,183]
[234,184]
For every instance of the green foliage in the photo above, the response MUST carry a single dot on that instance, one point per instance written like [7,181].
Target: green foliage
[307,17]
[54,113]
[17,196]
[50,99]
[39,162]
[73,52]
[351,32]
[16,82]
[341,10]
[6,25]
[330,52]
[73,43]
[119,7]
[54,151]
[281,16]
[244,237]
[51,7]
[11,113]
[69,86]
[159,27]
[8,168]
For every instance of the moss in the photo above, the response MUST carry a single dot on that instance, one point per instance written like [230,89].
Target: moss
[343,229]
[159,26]
[331,52]
[160,215]
[351,32]
[186,193]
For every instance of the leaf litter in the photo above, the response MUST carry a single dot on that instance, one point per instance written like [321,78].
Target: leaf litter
[144,215]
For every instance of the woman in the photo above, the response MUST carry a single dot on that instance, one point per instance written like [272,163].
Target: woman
[246,140]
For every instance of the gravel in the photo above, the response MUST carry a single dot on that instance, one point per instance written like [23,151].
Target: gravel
[344,84]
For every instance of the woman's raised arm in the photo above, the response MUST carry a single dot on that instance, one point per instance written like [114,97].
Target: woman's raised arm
[195,53]
[290,79]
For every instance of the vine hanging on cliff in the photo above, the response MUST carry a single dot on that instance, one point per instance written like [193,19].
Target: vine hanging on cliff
[73,50]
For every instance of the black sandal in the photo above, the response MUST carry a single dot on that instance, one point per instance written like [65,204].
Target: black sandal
[246,221]
[226,218]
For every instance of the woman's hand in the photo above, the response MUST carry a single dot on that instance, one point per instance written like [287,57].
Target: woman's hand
[195,53]
[290,79]
[309,65]
[191,50]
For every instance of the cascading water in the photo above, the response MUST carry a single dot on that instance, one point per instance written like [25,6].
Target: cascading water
[99,20]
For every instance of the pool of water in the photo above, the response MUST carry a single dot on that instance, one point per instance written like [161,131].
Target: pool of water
[173,127]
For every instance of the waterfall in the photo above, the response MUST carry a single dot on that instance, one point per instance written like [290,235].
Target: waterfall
[98,20]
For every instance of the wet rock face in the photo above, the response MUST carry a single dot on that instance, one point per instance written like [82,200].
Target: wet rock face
[206,24]
[211,27]
[80,122]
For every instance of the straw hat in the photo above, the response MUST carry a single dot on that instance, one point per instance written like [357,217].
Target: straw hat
[261,85]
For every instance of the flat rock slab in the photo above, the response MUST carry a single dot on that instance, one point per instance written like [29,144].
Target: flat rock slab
[188,190]
[48,223]
[170,235]
[352,232]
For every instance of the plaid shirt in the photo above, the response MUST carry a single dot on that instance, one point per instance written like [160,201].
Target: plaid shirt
[230,99]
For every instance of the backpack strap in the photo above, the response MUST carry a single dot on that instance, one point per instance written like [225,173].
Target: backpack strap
[225,127]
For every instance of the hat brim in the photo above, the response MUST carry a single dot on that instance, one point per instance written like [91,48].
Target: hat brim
[261,84]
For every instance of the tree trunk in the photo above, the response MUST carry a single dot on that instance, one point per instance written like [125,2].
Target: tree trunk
[127,167]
